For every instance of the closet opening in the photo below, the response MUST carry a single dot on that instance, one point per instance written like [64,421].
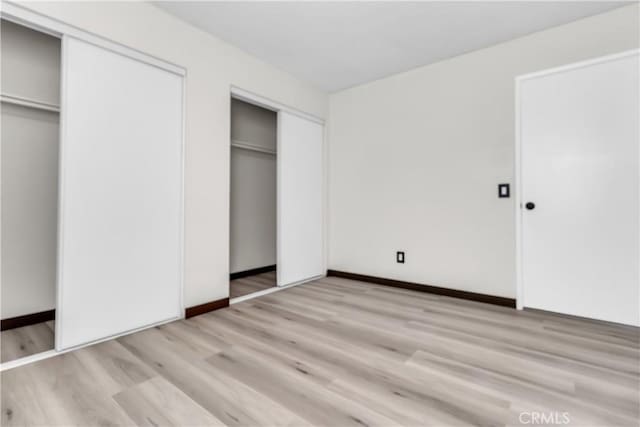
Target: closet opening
[253,199]
[30,95]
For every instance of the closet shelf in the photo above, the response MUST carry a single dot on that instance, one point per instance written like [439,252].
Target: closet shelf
[248,146]
[26,102]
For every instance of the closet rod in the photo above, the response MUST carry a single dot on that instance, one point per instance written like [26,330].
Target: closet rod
[247,146]
[31,103]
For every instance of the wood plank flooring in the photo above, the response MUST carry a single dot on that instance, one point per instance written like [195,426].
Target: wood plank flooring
[341,353]
[26,341]
[251,284]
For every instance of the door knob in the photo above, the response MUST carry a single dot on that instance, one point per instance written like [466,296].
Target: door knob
[530,205]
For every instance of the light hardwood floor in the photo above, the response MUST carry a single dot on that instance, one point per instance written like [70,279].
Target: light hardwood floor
[251,284]
[340,353]
[26,341]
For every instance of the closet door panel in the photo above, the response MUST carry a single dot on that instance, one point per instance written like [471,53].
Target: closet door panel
[120,264]
[300,196]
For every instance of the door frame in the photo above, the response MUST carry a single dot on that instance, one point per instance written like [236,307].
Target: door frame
[22,15]
[264,102]
[518,208]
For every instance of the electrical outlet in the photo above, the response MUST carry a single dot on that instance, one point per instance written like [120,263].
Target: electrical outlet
[400,257]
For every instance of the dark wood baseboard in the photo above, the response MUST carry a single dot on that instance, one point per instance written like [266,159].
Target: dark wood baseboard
[27,319]
[489,299]
[206,307]
[252,272]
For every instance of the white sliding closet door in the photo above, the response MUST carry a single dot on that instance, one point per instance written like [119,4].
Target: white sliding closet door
[120,265]
[300,196]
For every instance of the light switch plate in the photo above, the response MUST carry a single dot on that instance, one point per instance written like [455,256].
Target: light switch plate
[503,191]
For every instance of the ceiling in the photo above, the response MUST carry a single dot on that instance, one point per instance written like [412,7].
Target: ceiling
[336,45]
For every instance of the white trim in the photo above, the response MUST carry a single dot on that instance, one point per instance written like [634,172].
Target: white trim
[52,353]
[272,290]
[22,15]
[261,101]
[325,199]
[520,291]
[17,19]
[278,201]
[181,238]
[576,65]
[517,193]
[62,131]
[27,359]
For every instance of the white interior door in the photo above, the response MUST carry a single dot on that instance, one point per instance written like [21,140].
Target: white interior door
[579,157]
[120,265]
[300,195]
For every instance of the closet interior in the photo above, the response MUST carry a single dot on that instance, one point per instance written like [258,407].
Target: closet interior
[30,89]
[253,204]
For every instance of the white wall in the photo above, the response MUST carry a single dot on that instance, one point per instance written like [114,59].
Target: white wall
[253,188]
[415,159]
[212,67]
[30,68]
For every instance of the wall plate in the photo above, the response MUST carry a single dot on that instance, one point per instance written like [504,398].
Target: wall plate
[503,191]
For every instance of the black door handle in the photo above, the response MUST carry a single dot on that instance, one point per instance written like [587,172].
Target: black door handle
[530,205]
